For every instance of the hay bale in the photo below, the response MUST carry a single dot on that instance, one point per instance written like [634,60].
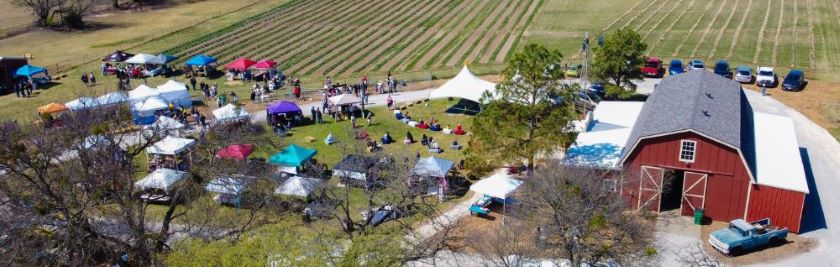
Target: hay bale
[310,139]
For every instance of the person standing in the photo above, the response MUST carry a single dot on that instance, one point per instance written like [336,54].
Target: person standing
[312,111]
[104,69]
[319,116]
[193,82]
[17,89]
[84,79]
[91,79]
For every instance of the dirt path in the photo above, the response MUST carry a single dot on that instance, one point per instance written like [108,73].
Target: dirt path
[738,29]
[521,25]
[723,29]
[454,32]
[483,44]
[662,19]
[605,28]
[499,38]
[761,32]
[707,30]
[355,34]
[778,32]
[690,31]
[404,54]
[667,31]
[398,33]
[483,28]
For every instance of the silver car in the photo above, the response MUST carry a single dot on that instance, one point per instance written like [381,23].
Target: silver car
[744,74]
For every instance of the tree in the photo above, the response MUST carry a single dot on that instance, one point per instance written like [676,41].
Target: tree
[67,194]
[43,9]
[73,12]
[530,115]
[620,58]
[581,218]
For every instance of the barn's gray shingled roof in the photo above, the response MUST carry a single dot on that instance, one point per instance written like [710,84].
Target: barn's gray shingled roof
[701,101]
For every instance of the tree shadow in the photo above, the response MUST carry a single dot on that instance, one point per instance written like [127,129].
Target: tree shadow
[813,217]
[464,107]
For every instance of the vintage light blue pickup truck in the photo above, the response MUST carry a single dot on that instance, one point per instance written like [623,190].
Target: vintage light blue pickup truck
[741,236]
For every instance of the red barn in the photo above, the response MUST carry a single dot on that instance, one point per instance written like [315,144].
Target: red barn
[696,143]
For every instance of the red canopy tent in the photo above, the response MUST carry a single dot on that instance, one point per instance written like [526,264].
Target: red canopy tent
[238,151]
[264,64]
[240,64]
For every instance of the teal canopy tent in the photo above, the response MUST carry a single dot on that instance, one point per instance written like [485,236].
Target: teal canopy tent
[28,71]
[292,156]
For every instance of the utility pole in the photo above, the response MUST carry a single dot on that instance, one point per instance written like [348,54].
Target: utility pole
[584,71]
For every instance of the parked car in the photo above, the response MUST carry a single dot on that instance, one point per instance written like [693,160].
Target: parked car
[381,215]
[585,102]
[574,71]
[598,89]
[676,67]
[696,64]
[722,69]
[653,68]
[794,81]
[742,236]
[765,77]
[744,74]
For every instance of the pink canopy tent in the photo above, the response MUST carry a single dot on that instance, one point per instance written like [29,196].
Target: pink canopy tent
[238,151]
[264,64]
[240,64]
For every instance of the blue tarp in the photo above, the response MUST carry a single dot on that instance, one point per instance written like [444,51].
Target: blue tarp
[200,60]
[29,70]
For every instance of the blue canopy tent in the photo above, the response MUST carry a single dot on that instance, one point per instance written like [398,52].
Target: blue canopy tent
[200,60]
[30,71]
[292,156]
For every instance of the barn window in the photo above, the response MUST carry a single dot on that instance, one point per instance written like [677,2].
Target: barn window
[687,150]
[610,185]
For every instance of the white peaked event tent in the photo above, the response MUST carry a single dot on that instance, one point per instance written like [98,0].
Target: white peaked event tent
[465,85]
[82,103]
[230,112]
[298,186]
[170,146]
[161,179]
[499,185]
[175,92]
[111,99]
[144,59]
[141,93]
[150,105]
[344,99]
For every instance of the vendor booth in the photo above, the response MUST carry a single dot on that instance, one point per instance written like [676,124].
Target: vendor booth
[34,74]
[344,100]
[164,126]
[144,59]
[496,189]
[237,152]
[158,185]
[297,186]
[240,64]
[466,86]
[437,169]
[82,103]
[200,65]
[146,112]
[283,112]
[231,113]
[170,153]
[52,108]
[229,190]
[111,99]
[141,93]
[355,170]
[175,92]
[292,158]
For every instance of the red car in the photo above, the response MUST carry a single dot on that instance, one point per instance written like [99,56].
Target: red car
[653,68]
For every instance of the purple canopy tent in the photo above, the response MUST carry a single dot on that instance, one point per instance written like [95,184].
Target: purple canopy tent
[282,107]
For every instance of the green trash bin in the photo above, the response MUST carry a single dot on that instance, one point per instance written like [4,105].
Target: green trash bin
[698,216]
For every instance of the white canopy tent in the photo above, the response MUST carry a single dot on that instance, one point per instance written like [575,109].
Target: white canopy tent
[499,185]
[82,103]
[344,99]
[465,85]
[161,179]
[150,105]
[165,126]
[145,59]
[298,186]
[141,93]
[176,93]
[230,112]
[170,146]
[111,99]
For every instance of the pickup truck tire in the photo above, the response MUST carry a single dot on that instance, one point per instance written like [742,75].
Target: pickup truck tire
[775,242]
[735,251]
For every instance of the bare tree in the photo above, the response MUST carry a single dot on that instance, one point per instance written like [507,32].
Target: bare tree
[68,196]
[42,9]
[73,12]
[578,215]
